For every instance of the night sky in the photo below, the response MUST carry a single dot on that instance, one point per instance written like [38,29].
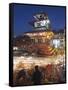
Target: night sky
[23,14]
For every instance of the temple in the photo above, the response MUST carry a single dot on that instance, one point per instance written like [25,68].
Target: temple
[42,40]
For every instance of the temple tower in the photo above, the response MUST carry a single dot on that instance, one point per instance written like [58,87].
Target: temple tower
[41,22]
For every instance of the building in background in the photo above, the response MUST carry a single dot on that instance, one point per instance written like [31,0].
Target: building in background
[42,39]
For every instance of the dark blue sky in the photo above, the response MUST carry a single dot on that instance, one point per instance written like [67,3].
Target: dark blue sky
[23,14]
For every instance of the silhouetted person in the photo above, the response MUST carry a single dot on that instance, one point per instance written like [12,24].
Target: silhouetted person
[21,77]
[21,73]
[37,76]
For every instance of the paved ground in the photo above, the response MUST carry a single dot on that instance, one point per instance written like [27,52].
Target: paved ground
[29,61]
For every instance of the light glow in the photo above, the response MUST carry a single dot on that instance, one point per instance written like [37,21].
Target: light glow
[56,43]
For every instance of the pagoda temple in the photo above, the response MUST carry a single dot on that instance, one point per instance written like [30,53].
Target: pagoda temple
[42,40]
[41,35]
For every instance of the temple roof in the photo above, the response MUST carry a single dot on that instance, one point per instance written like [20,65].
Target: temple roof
[36,31]
[55,31]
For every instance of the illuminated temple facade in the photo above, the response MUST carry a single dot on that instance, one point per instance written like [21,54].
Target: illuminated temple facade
[41,29]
